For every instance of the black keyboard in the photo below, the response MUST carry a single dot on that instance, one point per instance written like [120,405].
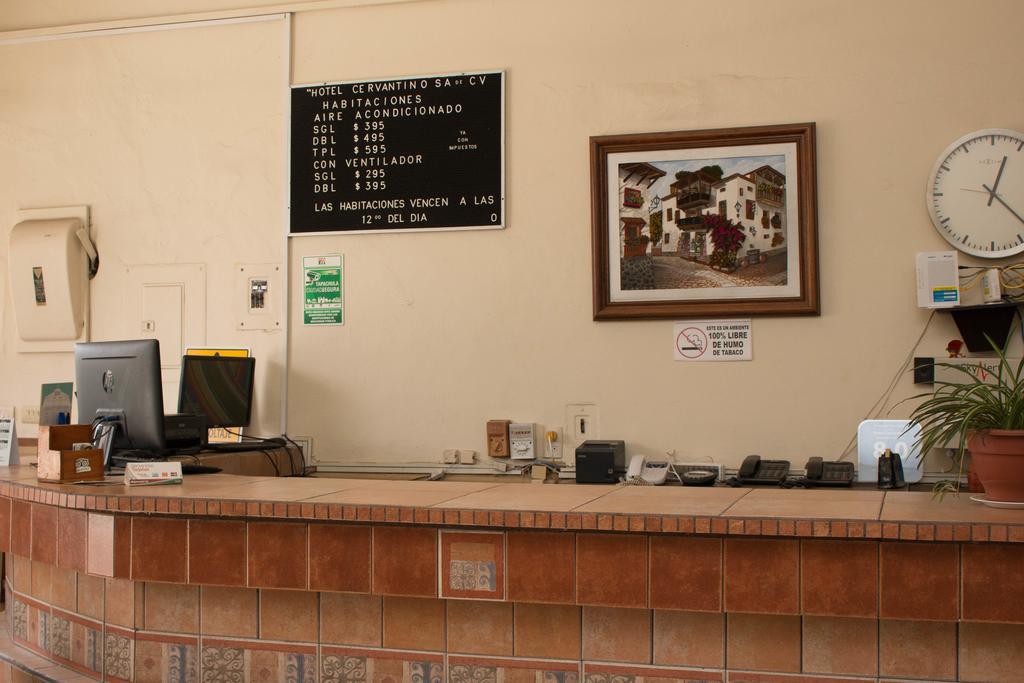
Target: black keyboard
[190,468]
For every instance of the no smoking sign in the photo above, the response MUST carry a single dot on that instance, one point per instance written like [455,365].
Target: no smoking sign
[719,340]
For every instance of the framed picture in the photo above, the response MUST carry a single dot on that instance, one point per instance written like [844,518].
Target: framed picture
[705,223]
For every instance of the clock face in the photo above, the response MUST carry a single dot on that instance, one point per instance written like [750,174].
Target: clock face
[976,193]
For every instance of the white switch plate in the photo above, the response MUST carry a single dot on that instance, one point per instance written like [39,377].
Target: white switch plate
[264,312]
[582,422]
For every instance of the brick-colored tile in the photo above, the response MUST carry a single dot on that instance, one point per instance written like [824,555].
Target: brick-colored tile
[616,634]
[840,645]
[171,607]
[919,581]
[405,561]
[277,555]
[611,570]
[339,558]
[414,623]
[479,627]
[40,580]
[159,549]
[288,615]
[993,583]
[763,642]
[229,611]
[689,639]
[216,552]
[21,528]
[64,588]
[72,538]
[541,566]
[686,573]
[44,534]
[762,575]
[91,596]
[5,525]
[350,619]
[917,649]
[119,604]
[851,565]
[547,631]
[993,653]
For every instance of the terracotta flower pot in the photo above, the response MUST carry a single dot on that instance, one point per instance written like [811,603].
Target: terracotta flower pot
[998,457]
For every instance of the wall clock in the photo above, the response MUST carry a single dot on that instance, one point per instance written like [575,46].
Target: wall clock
[975,193]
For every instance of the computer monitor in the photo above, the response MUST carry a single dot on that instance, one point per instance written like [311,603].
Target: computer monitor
[121,379]
[218,388]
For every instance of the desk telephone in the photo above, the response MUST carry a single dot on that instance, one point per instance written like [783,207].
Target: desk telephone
[755,471]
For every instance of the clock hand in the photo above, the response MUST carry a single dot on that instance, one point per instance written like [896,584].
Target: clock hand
[967,189]
[1008,208]
[995,185]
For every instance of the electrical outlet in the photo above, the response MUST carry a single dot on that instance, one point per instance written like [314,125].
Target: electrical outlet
[306,443]
[553,447]
[450,456]
[30,415]
[467,456]
[582,422]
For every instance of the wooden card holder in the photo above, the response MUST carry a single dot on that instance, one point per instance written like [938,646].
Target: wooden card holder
[59,462]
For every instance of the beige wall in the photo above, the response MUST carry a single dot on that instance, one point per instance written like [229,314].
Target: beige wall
[445,331]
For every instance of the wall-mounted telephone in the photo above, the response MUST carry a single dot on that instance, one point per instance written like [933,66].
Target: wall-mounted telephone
[821,473]
[644,472]
[755,471]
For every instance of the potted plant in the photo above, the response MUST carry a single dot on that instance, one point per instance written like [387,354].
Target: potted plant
[983,417]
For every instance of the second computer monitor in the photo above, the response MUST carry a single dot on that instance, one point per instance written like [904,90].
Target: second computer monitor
[218,388]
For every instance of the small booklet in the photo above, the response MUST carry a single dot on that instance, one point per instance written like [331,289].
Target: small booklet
[152,473]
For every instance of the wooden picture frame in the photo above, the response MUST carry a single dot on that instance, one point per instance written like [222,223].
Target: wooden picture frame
[663,205]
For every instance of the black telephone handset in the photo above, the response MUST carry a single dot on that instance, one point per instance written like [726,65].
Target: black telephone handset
[821,473]
[754,470]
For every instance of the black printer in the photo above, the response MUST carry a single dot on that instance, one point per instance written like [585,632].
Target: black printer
[600,462]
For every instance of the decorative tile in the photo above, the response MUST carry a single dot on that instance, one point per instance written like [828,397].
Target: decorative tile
[160,658]
[60,637]
[349,665]
[225,660]
[20,612]
[87,645]
[463,669]
[616,673]
[118,656]
[473,565]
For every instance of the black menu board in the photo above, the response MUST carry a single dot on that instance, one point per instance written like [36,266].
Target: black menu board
[406,154]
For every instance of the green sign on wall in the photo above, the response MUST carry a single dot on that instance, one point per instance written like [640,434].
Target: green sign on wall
[322,283]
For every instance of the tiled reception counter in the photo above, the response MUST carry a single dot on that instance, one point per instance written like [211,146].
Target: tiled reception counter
[229,578]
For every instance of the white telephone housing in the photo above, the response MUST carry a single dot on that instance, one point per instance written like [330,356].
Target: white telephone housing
[646,472]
